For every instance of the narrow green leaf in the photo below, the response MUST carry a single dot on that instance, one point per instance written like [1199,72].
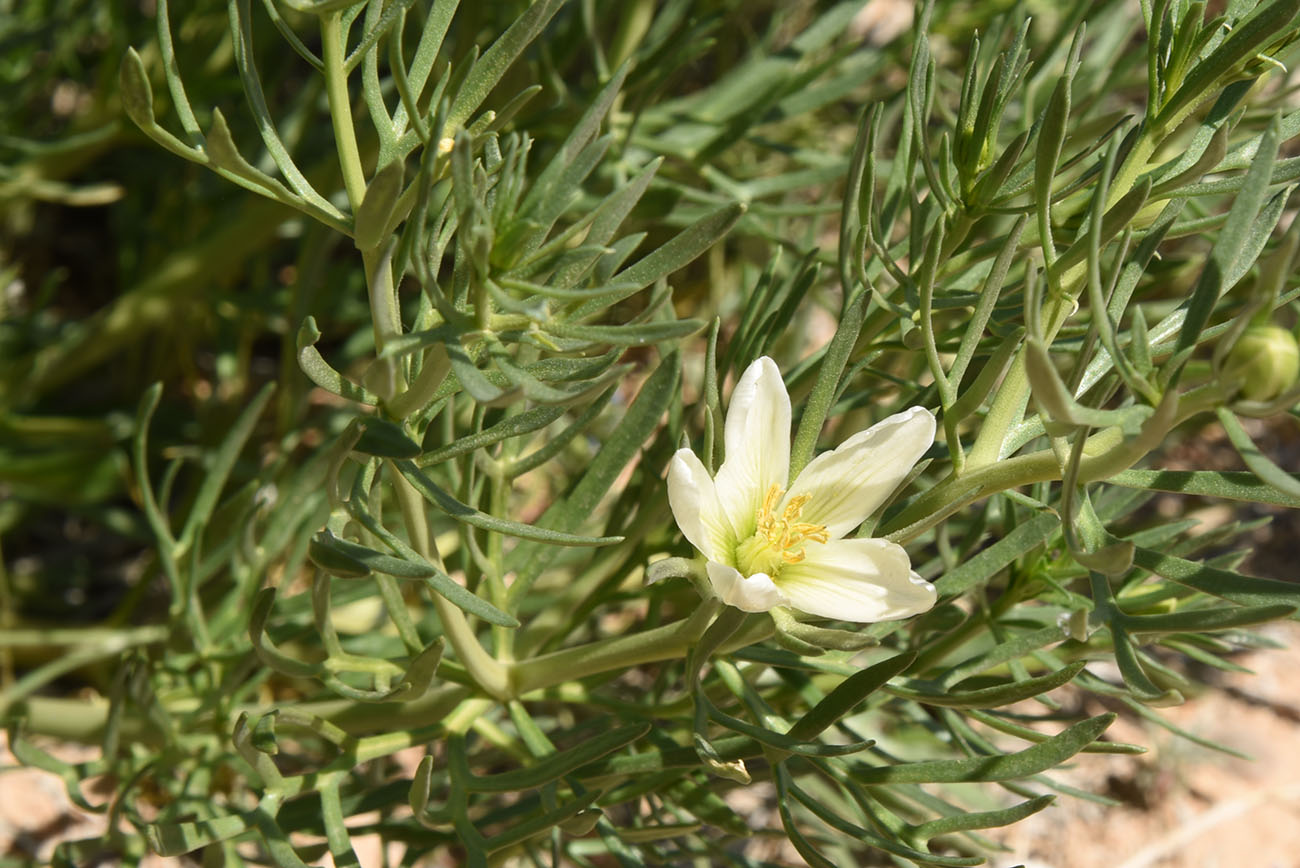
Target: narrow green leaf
[781,742]
[374,214]
[1231,241]
[335,561]
[1263,26]
[983,566]
[1135,677]
[559,764]
[555,445]
[375,561]
[224,154]
[990,697]
[456,594]
[640,335]
[318,370]
[620,446]
[1030,761]
[526,422]
[1010,727]
[1244,590]
[222,462]
[1047,152]
[489,69]
[1228,484]
[1117,219]
[262,645]
[474,381]
[982,819]
[1205,620]
[847,694]
[431,492]
[1258,463]
[829,374]
[384,439]
[1006,651]
[177,839]
[787,788]
[680,250]
[541,822]
[137,93]
[1059,405]
[1212,156]
[580,135]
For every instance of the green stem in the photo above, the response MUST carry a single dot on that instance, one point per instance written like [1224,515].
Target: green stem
[384,313]
[340,103]
[1104,454]
[670,642]
[426,384]
[1013,395]
[488,672]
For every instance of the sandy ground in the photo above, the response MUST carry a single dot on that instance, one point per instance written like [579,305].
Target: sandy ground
[1185,806]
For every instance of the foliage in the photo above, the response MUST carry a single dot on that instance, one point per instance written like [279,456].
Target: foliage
[490,267]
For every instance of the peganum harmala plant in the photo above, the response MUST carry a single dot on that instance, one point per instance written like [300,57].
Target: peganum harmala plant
[1068,253]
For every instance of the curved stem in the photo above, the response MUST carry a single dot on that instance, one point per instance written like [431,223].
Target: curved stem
[488,672]
[340,103]
[1104,454]
[669,642]
[1013,395]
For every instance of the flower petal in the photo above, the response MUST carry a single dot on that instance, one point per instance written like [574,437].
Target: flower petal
[757,435]
[849,484]
[863,580]
[756,593]
[693,498]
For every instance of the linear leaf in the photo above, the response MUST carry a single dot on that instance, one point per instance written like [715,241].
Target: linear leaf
[489,69]
[1258,463]
[982,819]
[1228,248]
[513,426]
[1006,767]
[620,446]
[559,764]
[983,566]
[1229,484]
[222,462]
[384,439]
[991,697]
[1264,25]
[440,582]
[1199,620]
[176,839]
[318,370]
[848,693]
[376,561]
[1245,590]
[431,492]
[639,335]
[680,250]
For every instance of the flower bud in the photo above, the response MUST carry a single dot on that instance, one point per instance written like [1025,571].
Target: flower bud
[1265,360]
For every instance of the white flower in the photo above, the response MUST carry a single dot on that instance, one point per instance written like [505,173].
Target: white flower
[770,542]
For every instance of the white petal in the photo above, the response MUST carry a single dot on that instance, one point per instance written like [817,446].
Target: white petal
[849,484]
[863,580]
[693,498]
[757,435]
[756,593]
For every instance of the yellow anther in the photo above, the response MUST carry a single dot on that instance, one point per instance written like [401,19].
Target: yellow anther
[787,534]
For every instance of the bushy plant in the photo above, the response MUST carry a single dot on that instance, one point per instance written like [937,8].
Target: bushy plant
[566,291]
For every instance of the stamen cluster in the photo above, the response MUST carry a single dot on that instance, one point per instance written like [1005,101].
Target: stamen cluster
[786,534]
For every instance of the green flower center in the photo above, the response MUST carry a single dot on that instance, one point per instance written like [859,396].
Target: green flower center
[778,539]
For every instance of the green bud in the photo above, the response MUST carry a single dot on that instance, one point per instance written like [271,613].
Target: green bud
[1265,360]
